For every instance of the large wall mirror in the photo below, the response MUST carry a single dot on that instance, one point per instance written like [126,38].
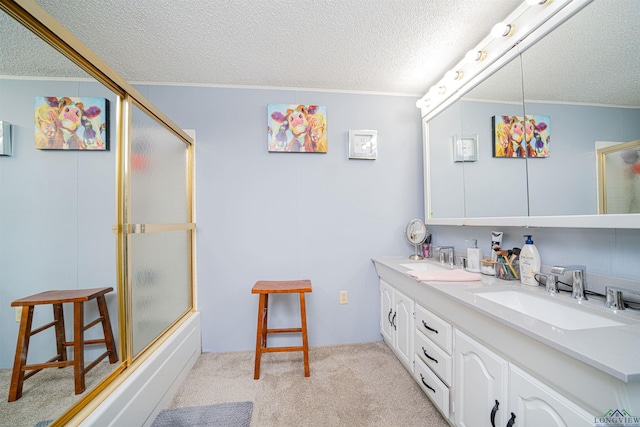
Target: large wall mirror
[73,220]
[578,88]
[57,209]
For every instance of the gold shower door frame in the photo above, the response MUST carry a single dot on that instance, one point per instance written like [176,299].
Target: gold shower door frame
[604,186]
[127,231]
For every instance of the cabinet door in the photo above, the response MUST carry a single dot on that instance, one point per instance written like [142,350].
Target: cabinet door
[404,328]
[536,404]
[480,379]
[386,312]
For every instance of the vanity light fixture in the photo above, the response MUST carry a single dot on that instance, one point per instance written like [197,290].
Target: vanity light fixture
[475,55]
[502,30]
[497,48]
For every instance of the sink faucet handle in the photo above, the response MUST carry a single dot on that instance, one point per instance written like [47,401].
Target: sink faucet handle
[551,285]
[614,298]
[579,284]
[550,281]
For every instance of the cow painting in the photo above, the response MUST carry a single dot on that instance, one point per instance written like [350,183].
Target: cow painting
[67,123]
[297,128]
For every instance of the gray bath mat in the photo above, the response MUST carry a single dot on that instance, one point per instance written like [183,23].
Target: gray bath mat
[235,414]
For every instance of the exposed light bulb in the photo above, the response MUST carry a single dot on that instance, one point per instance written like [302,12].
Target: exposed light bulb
[423,102]
[454,75]
[502,30]
[475,55]
[536,2]
[442,90]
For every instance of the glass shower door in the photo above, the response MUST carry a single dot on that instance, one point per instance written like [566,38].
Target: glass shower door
[159,229]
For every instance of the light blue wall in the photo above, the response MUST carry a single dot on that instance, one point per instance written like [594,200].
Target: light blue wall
[280,216]
[56,213]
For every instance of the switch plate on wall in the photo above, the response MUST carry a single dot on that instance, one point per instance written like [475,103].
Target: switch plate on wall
[18,314]
[343,297]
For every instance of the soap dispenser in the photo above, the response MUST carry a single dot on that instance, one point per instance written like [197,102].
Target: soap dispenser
[474,255]
[529,262]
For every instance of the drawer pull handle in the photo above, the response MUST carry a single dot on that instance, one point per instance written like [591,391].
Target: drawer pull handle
[393,321]
[493,414]
[512,421]
[427,326]
[389,316]
[429,357]
[427,385]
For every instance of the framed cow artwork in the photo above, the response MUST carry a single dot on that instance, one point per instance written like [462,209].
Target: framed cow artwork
[67,123]
[517,136]
[297,128]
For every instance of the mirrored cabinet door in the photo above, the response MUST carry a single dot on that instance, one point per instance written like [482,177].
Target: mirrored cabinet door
[597,104]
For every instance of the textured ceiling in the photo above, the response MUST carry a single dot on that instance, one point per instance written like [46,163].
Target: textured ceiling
[391,46]
[386,46]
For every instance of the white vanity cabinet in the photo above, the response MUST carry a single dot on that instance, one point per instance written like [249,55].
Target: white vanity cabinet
[487,367]
[480,384]
[535,404]
[397,323]
[489,388]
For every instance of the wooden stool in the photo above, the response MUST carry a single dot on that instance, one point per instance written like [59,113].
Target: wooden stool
[264,288]
[56,298]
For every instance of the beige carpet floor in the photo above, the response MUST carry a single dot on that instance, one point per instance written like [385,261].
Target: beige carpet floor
[350,385]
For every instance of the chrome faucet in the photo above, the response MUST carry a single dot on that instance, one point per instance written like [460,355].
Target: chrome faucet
[449,255]
[579,274]
[614,297]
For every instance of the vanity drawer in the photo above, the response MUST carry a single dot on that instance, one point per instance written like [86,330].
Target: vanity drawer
[434,357]
[433,327]
[435,389]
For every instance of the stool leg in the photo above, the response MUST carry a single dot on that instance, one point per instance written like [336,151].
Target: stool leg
[22,348]
[265,320]
[78,346]
[106,329]
[305,340]
[260,334]
[58,317]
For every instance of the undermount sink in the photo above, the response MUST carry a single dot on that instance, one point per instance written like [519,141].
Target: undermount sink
[422,266]
[546,309]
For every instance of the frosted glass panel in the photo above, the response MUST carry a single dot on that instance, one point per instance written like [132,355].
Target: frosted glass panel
[161,279]
[158,173]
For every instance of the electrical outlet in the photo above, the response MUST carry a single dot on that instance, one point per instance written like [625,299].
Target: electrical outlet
[18,314]
[343,297]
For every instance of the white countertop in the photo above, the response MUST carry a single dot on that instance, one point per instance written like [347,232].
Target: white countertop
[614,350]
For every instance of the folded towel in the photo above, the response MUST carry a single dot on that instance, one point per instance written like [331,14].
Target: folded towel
[458,275]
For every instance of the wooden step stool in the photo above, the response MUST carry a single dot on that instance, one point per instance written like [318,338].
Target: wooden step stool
[56,298]
[264,288]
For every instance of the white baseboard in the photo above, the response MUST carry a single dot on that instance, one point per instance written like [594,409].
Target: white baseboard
[152,386]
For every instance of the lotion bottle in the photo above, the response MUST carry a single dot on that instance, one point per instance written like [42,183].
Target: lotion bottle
[529,263]
[474,255]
